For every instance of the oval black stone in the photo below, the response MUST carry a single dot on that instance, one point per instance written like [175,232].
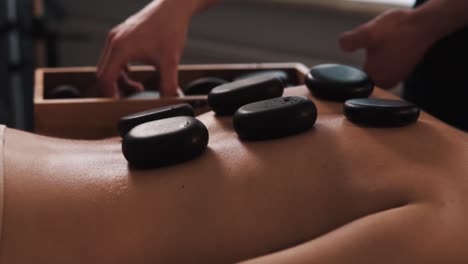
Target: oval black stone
[126,123]
[338,82]
[227,98]
[274,118]
[203,86]
[381,112]
[282,75]
[63,92]
[165,142]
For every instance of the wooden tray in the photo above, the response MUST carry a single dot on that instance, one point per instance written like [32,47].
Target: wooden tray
[93,117]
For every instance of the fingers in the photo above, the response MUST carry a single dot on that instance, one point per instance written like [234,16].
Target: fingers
[106,90]
[126,84]
[358,38]
[108,74]
[105,50]
[111,63]
[117,53]
[168,68]
[380,72]
[104,53]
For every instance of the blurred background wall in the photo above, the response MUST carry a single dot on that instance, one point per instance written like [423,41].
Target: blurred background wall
[58,33]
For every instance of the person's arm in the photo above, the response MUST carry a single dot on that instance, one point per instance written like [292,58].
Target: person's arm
[439,18]
[398,39]
[408,234]
[155,35]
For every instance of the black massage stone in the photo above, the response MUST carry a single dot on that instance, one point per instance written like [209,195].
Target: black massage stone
[227,98]
[381,112]
[284,77]
[338,82]
[63,92]
[203,86]
[165,142]
[275,118]
[145,95]
[126,123]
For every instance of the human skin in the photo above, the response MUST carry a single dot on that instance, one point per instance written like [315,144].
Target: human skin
[397,40]
[394,41]
[156,35]
[337,193]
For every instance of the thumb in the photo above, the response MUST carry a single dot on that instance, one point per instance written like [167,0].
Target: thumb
[169,83]
[358,38]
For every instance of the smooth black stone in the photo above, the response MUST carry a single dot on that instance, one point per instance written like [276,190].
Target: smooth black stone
[126,123]
[338,82]
[283,75]
[381,112]
[63,92]
[165,142]
[145,95]
[274,118]
[227,98]
[203,86]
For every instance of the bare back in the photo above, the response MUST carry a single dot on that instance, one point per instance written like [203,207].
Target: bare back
[78,201]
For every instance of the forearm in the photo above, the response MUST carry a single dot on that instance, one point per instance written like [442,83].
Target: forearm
[186,9]
[439,18]
[391,236]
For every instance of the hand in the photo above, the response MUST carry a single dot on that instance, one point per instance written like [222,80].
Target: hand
[394,43]
[156,35]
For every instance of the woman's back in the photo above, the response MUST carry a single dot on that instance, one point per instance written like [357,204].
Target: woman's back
[78,201]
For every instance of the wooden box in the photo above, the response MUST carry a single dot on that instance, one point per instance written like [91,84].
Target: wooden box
[92,117]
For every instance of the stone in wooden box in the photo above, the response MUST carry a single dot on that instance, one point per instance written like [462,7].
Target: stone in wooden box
[93,117]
